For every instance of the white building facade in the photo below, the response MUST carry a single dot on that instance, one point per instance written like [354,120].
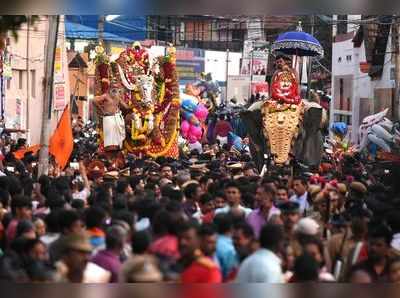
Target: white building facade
[355,93]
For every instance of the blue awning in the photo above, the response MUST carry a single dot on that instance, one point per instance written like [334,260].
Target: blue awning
[129,27]
[79,31]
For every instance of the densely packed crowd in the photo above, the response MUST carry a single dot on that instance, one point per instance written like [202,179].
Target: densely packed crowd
[207,218]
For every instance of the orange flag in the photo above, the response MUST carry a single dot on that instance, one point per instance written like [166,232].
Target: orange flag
[62,141]
[19,154]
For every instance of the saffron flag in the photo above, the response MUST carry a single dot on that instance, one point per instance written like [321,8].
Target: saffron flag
[62,141]
[19,154]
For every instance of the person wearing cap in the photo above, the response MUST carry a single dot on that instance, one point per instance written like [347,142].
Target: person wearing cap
[141,269]
[307,227]
[357,189]
[75,256]
[304,229]
[197,267]
[266,209]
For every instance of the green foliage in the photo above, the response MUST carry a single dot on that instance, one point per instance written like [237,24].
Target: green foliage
[12,23]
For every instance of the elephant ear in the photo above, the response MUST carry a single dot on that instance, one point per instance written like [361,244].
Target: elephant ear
[253,123]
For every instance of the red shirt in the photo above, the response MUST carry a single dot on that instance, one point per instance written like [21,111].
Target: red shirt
[222,128]
[203,270]
[208,217]
[167,246]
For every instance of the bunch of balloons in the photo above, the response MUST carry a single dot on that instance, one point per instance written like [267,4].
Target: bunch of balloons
[194,115]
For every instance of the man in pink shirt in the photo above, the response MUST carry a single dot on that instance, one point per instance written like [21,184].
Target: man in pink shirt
[21,207]
[266,209]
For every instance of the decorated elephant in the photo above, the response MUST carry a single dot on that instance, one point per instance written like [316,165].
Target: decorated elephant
[148,94]
[285,126]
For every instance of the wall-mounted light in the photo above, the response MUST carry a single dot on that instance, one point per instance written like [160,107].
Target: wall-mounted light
[111,17]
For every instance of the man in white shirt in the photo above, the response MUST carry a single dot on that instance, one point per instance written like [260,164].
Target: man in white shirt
[233,197]
[264,266]
[301,194]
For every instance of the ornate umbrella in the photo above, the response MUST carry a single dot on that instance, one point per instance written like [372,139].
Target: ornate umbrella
[298,43]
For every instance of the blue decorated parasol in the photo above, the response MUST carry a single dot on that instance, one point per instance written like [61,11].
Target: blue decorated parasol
[298,43]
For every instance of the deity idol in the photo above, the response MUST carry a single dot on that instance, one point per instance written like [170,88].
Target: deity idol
[283,112]
[149,99]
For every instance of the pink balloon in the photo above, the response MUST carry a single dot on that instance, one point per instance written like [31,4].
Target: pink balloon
[195,132]
[201,112]
[192,139]
[185,126]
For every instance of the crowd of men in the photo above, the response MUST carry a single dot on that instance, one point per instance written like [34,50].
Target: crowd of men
[210,218]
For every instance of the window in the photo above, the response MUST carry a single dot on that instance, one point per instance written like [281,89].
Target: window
[33,83]
[392,74]
[20,79]
[342,24]
[348,58]
[182,31]
[8,84]
[237,34]
[340,59]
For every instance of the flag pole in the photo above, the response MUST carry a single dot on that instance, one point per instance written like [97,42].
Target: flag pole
[51,45]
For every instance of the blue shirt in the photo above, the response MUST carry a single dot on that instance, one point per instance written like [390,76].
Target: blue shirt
[303,202]
[226,255]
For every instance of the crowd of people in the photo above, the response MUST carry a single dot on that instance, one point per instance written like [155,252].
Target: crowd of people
[207,218]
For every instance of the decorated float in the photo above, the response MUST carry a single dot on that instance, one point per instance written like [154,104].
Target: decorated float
[148,96]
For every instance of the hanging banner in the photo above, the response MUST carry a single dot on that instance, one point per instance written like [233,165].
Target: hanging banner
[255,58]
[59,97]
[18,113]
[58,66]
